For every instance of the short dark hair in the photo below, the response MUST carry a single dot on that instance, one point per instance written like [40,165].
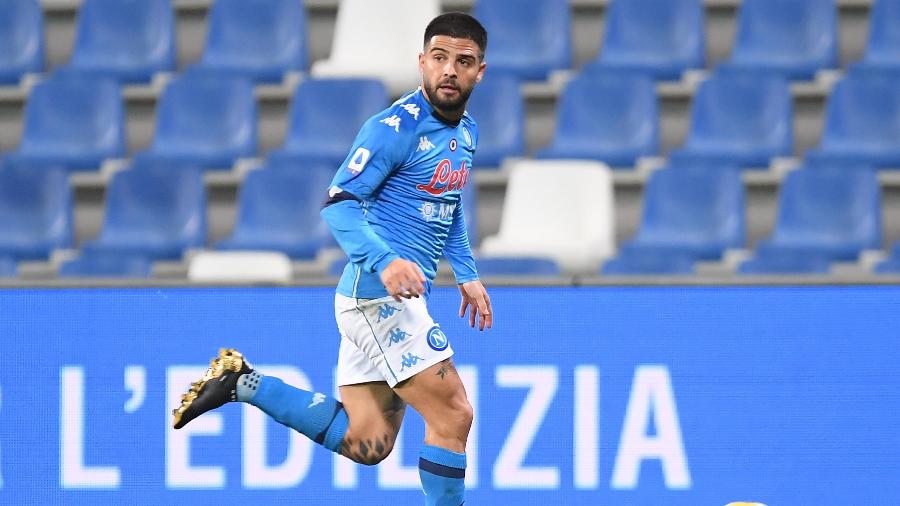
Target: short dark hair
[458,25]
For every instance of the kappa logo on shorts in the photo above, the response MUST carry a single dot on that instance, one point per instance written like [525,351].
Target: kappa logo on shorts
[437,340]
[386,311]
[409,360]
[397,336]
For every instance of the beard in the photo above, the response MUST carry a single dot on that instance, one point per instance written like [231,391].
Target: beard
[450,105]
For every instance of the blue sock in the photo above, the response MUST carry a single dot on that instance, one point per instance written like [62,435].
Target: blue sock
[314,415]
[443,474]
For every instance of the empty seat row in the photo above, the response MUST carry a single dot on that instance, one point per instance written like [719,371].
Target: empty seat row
[204,119]
[691,214]
[263,39]
[76,122]
[131,40]
[737,117]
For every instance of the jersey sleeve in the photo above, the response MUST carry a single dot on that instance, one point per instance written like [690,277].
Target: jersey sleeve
[381,146]
[458,250]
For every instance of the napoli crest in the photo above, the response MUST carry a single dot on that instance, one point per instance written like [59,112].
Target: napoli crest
[437,340]
[467,136]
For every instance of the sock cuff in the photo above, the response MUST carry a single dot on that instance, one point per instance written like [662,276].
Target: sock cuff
[442,456]
[336,431]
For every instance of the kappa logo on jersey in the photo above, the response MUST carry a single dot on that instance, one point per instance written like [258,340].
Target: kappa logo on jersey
[392,121]
[424,144]
[397,336]
[446,179]
[412,109]
[386,311]
[409,360]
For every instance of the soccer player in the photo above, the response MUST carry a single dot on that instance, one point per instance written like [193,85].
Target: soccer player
[394,207]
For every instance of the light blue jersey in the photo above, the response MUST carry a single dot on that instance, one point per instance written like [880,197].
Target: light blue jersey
[398,195]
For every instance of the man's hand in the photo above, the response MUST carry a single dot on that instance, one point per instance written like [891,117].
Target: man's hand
[474,294]
[403,279]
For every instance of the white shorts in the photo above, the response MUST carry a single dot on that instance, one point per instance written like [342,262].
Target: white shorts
[386,340]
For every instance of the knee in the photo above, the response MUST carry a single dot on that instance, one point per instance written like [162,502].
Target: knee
[458,420]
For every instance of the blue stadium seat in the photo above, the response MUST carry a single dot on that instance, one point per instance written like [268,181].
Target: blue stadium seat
[498,106]
[257,39]
[516,266]
[73,121]
[795,38]
[278,210]
[155,213]
[325,116]
[891,264]
[862,121]
[528,38]
[883,47]
[206,119]
[661,37]
[648,262]
[785,262]
[611,117]
[827,211]
[36,213]
[691,211]
[101,264]
[129,40]
[740,118]
[21,39]
[8,268]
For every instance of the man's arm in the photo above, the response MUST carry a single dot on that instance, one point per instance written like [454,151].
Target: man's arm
[375,154]
[458,250]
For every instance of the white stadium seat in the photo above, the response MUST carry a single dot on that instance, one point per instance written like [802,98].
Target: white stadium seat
[379,39]
[561,209]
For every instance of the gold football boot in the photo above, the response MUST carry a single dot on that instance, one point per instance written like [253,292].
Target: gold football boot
[217,387]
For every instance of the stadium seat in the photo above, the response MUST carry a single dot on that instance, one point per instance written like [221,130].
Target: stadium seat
[129,40]
[559,209]
[99,264]
[257,39]
[891,264]
[240,267]
[397,25]
[527,38]
[498,107]
[8,268]
[609,117]
[882,51]
[795,38]
[691,211]
[785,262]
[206,119]
[278,210]
[155,213]
[21,39]
[36,214]
[516,266]
[740,118]
[827,211]
[862,121]
[325,116]
[648,262]
[661,37]
[73,121]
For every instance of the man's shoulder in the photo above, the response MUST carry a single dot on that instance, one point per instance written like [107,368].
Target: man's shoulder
[401,118]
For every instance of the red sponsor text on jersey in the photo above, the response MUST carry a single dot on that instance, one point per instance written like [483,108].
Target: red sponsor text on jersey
[446,179]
